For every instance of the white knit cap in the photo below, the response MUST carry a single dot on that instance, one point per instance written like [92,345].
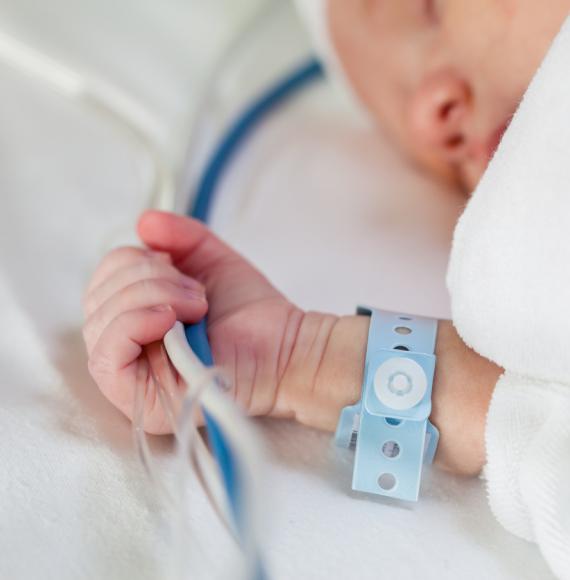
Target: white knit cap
[314,14]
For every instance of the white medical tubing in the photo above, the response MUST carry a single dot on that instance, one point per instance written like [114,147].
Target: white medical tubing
[119,109]
[188,179]
[245,445]
[155,376]
[204,390]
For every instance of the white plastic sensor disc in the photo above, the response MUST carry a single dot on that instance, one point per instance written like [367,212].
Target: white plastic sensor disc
[400,383]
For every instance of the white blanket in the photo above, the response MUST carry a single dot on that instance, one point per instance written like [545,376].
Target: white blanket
[509,279]
[313,195]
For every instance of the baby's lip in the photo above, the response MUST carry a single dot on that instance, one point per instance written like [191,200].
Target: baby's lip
[495,139]
[481,151]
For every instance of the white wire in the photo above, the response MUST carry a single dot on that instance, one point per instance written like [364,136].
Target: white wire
[244,443]
[204,387]
[152,370]
[207,98]
[189,445]
[238,431]
[141,126]
[120,109]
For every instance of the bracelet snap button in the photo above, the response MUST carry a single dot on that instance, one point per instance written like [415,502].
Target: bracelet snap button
[400,383]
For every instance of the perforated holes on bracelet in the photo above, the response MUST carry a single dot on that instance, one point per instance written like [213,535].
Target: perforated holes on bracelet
[387,481]
[391,449]
[403,330]
[393,422]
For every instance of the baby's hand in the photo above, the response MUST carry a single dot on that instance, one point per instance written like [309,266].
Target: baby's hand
[134,298]
[282,361]
[136,295]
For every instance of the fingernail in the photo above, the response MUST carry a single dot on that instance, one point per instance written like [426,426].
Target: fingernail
[160,255]
[192,284]
[161,308]
[195,294]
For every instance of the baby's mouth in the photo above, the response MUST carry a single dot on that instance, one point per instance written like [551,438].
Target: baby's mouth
[495,139]
[478,154]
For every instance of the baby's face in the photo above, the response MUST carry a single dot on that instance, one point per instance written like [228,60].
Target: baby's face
[444,77]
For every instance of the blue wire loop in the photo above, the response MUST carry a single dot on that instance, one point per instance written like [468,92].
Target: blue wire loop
[196,334]
[244,125]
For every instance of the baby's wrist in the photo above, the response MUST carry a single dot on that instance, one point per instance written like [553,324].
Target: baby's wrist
[463,385]
[324,372]
[324,369]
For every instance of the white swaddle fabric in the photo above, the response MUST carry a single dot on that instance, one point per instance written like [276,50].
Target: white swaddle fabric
[508,276]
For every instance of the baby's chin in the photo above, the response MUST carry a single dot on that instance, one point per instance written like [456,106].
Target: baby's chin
[462,177]
[470,175]
[453,177]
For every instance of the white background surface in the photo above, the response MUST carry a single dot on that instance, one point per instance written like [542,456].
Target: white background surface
[319,203]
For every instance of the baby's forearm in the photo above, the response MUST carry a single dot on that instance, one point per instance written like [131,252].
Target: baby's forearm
[324,372]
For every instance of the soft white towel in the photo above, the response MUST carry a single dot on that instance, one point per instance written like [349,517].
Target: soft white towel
[509,277]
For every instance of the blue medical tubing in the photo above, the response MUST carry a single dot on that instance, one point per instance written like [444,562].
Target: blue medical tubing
[243,127]
[197,338]
[196,334]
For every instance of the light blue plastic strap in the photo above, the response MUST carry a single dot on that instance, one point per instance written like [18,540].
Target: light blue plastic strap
[392,443]
[348,424]
[432,440]
[382,334]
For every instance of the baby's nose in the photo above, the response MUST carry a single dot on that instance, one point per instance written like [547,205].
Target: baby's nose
[439,113]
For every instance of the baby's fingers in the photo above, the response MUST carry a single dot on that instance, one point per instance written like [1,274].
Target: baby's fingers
[145,269]
[121,258]
[118,347]
[189,305]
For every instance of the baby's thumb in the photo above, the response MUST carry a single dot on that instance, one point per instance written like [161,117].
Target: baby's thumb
[193,247]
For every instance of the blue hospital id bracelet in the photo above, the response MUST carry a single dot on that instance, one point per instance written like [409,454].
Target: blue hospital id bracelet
[389,426]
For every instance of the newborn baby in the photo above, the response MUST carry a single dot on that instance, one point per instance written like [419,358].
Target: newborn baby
[442,78]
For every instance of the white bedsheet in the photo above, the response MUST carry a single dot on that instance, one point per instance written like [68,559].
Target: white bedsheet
[334,218]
